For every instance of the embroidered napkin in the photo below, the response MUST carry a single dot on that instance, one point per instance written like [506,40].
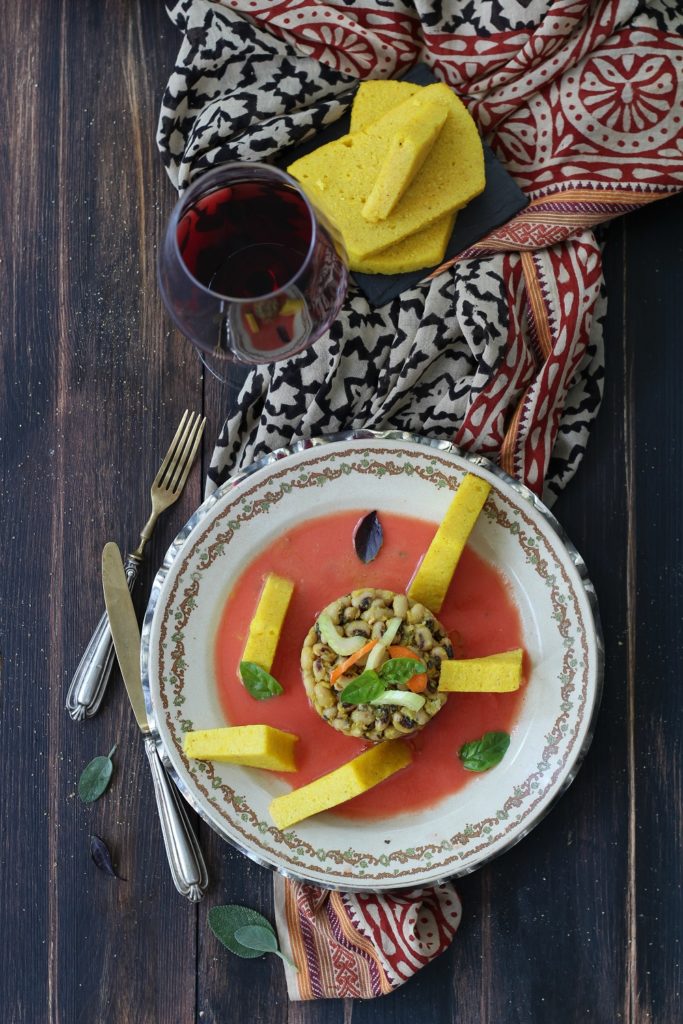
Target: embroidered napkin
[360,946]
[503,352]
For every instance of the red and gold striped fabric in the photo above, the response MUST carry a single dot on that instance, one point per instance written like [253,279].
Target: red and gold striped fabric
[348,945]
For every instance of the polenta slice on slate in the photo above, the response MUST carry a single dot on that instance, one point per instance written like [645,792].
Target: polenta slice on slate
[425,248]
[408,150]
[336,175]
[377,97]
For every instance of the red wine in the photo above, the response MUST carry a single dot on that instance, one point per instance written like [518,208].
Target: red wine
[248,269]
[247,240]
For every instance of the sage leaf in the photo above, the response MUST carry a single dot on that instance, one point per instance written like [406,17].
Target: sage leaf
[254,936]
[244,931]
[95,777]
[400,670]
[480,755]
[259,683]
[367,687]
[368,537]
[99,851]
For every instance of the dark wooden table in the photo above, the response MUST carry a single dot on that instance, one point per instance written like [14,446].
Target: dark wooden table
[582,920]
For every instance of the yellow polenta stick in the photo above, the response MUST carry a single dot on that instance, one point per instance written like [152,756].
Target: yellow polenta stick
[498,673]
[269,617]
[257,746]
[433,578]
[352,779]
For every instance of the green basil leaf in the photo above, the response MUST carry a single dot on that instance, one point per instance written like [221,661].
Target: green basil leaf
[259,683]
[95,777]
[480,755]
[245,932]
[362,690]
[400,670]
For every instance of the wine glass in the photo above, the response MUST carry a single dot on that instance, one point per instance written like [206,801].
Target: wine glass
[249,270]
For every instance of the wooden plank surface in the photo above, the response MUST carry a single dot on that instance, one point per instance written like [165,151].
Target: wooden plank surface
[581,921]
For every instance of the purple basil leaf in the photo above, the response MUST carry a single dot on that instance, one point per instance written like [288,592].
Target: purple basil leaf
[368,537]
[99,851]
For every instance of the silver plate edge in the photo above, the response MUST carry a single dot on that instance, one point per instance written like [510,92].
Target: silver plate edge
[344,437]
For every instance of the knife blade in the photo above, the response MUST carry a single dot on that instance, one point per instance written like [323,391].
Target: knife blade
[124,629]
[182,849]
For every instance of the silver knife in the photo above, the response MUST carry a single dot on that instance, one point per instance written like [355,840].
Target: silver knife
[182,849]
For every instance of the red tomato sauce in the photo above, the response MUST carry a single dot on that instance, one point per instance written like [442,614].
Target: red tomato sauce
[318,556]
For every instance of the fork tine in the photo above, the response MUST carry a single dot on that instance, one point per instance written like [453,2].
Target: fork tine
[171,450]
[178,454]
[185,462]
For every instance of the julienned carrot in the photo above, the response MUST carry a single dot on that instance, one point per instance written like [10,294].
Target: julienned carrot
[418,683]
[351,660]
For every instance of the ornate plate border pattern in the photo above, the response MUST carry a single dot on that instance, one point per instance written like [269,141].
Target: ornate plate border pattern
[288,852]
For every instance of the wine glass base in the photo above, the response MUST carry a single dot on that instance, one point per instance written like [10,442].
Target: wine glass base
[232,374]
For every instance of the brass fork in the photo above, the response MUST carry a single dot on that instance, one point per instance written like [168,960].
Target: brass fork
[90,680]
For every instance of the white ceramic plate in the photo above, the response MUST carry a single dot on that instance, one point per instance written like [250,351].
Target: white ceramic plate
[412,476]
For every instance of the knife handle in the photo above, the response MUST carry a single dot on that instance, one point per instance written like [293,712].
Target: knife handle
[92,675]
[182,849]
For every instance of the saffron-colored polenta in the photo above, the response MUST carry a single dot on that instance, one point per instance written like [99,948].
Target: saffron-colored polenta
[256,746]
[425,248]
[497,673]
[336,175]
[266,625]
[435,573]
[408,150]
[352,779]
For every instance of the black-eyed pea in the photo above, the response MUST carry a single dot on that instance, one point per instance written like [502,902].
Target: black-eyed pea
[417,613]
[423,638]
[306,658]
[358,628]
[323,695]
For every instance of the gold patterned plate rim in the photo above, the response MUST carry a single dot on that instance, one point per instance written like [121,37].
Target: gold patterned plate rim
[314,857]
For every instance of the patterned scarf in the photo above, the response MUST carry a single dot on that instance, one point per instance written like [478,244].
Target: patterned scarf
[503,352]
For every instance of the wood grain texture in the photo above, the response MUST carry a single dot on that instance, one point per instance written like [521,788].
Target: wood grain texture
[654,329]
[580,921]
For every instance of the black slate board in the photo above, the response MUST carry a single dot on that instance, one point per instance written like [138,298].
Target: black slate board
[501,199]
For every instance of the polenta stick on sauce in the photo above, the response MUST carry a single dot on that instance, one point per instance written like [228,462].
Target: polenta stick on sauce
[256,746]
[353,778]
[266,626]
[495,673]
[434,575]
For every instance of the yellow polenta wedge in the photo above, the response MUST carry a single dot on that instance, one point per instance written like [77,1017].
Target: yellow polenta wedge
[422,250]
[336,175]
[376,97]
[352,779]
[408,150]
[266,625]
[257,746]
[498,673]
[425,248]
[434,575]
